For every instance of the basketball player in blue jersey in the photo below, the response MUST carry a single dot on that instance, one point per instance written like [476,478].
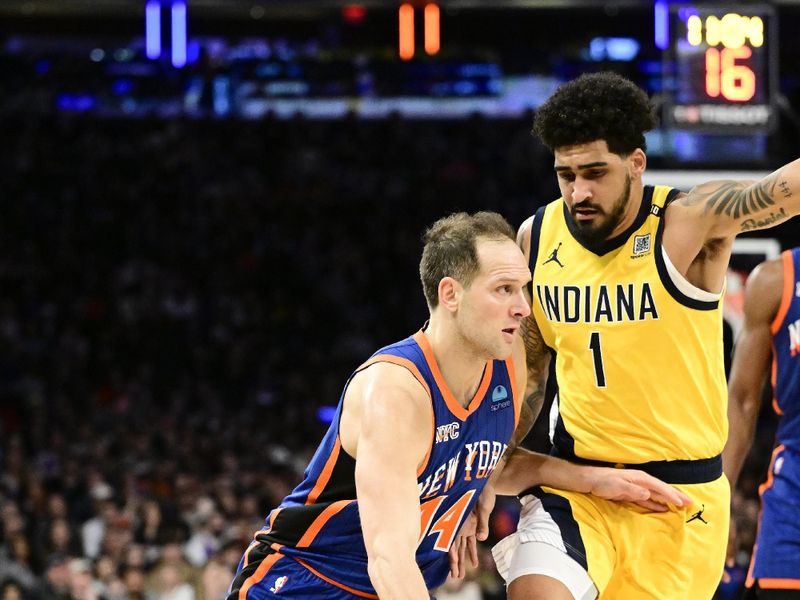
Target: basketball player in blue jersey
[419,429]
[626,296]
[771,334]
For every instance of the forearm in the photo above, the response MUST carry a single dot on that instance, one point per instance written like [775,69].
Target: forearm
[396,578]
[531,406]
[742,416]
[525,469]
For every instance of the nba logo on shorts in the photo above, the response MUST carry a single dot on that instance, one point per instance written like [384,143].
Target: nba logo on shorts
[279,583]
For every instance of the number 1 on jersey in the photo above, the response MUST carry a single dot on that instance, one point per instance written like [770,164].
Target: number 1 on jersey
[597,355]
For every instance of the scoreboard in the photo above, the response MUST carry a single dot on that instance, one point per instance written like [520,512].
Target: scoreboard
[723,62]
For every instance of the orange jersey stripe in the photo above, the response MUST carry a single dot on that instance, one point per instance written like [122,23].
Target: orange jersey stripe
[453,404]
[325,475]
[768,484]
[336,583]
[320,521]
[774,380]
[788,291]
[779,584]
[260,573]
[269,525]
[400,361]
[783,309]
[252,545]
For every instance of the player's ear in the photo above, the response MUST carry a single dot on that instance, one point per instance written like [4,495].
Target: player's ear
[638,163]
[449,293]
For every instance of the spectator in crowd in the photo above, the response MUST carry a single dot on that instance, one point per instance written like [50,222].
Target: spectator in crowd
[156,291]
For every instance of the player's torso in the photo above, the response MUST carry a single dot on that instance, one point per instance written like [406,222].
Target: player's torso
[786,354]
[639,350]
[319,525]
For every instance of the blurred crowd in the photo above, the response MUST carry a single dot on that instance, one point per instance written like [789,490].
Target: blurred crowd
[180,299]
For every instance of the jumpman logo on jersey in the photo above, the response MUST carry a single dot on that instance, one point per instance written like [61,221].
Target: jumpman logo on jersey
[554,257]
[699,515]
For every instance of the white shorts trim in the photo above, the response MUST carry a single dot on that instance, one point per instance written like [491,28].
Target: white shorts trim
[540,558]
[537,549]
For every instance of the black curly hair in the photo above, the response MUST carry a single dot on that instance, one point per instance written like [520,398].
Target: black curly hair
[596,106]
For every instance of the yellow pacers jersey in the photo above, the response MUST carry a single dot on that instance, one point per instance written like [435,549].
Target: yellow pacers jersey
[639,352]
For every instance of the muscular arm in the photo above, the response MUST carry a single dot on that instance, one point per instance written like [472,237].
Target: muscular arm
[537,361]
[700,226]
[750,363]
[526,469]
[393,435]
[727,208]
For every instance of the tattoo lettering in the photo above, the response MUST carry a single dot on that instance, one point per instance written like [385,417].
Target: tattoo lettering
[740,202]
[751,224]
[784,186]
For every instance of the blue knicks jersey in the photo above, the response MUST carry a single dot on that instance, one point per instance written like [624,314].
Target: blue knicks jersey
[786,354]
[318,524]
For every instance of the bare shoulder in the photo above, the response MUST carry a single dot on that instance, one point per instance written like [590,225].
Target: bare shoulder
[764,290]
[382,397]
[524,236]
[386,390]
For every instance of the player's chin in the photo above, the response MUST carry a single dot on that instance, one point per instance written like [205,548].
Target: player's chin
[503,350]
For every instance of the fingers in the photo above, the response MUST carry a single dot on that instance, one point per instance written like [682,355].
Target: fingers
[472,547]
[659,490]
[652,506]
[462,557]
[453,557]
[482,531]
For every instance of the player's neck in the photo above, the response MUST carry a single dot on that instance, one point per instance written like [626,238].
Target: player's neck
[461,368]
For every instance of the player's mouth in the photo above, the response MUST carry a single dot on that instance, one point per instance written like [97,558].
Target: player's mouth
[509,332]
[584,214]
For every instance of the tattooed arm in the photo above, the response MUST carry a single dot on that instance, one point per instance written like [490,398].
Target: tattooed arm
[700,226]
[537,359]
[537,363]
[727,208]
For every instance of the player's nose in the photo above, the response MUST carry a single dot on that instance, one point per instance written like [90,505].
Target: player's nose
[581,190]
[521,307]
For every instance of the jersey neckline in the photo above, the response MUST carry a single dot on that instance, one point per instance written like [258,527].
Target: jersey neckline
[617,241]
[454,405]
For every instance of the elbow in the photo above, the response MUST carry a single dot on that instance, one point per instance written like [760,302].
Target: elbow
[744,404]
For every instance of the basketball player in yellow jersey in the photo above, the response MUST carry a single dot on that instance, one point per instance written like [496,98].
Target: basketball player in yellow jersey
[626,293]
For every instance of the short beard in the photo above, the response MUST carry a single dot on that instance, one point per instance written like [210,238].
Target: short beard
[590,234]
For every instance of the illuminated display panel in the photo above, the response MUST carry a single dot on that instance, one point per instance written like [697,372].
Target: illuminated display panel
[723,60]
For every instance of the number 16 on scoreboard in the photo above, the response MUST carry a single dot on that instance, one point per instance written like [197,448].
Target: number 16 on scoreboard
[723,58]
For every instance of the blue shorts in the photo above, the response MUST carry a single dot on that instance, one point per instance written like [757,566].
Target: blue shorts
[776,555]
[264,573]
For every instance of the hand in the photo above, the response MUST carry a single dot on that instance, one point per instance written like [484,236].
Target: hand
[474,529]
[630,485]
[465,542]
